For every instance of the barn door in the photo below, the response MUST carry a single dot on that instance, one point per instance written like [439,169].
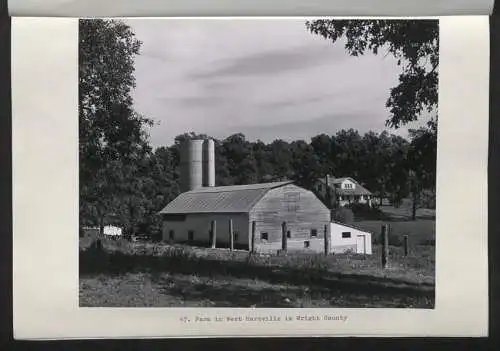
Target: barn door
[360,244]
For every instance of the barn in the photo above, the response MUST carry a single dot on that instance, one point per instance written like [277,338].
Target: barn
[262,217]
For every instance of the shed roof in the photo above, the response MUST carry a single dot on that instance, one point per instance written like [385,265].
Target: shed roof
[352,226]
[220,199]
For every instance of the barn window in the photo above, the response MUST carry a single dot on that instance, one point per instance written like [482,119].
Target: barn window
[288,234]
[171,235]
[264,236]
[306,244]
[346,235]
[292,200]
[190,235]
[314,233]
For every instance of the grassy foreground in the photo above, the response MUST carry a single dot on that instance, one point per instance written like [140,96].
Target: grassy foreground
[126,274]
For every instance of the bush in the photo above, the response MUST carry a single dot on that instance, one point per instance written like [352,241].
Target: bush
[364,211]
[343,215]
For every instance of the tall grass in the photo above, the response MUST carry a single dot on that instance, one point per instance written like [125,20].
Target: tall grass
[120,255]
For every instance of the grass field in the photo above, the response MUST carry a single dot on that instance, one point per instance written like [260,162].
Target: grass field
[143,274]
[420,231]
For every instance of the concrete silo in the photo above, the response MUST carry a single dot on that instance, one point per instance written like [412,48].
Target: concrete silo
[191,165]
[208,163]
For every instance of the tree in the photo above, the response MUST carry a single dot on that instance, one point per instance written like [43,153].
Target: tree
[112,137]
[305,163]
[422,162]
[241,161]
[262,161]
[349,150]
[414,44]
[281,157]
[322,146]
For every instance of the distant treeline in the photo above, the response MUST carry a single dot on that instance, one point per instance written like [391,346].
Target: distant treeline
[382,162]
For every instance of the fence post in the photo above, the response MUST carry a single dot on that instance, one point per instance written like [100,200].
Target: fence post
[283,237]
[231,235]
[327,240]
[405,244]
[253,236]
[385,245]
[213,229]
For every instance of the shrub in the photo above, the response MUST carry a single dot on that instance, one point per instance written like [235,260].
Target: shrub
[364,211]
[343,215]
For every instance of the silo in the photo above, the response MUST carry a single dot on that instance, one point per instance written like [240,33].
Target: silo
[209,163]
[191,165]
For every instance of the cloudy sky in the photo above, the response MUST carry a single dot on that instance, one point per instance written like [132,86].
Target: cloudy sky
[267,79]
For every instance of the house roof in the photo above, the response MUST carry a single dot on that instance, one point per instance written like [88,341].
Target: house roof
[358,190]
[220,199]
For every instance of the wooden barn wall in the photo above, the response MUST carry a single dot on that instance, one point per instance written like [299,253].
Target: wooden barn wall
[200,225]
[299,208]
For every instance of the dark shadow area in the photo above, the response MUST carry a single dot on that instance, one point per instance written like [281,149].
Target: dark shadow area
[98,261]
[227,295]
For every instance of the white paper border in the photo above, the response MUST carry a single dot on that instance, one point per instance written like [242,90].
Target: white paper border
[45,204]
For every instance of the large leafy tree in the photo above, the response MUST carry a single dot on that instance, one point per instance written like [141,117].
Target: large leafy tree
[421,163]
[241,162]
[112,137]
[415,46]
[305,164]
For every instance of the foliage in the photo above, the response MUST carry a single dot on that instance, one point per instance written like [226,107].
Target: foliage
[112,139]
[415,46]
[343,215]
[366,212]
[422,157]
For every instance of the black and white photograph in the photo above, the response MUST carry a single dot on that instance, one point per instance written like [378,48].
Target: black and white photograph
[258,163]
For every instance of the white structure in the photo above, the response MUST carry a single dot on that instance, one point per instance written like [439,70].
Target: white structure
[112,230]
[345,237]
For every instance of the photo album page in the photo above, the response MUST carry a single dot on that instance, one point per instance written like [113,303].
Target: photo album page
[248,169]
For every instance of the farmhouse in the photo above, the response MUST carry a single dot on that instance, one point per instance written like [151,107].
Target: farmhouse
[346,190]
[262,217]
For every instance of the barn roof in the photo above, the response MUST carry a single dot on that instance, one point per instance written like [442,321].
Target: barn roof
[220,199]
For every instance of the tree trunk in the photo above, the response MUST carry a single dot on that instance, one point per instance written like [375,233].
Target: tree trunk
[101,225]
[382,194]
[414,205]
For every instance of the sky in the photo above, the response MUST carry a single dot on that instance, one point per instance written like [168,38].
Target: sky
[266,78]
